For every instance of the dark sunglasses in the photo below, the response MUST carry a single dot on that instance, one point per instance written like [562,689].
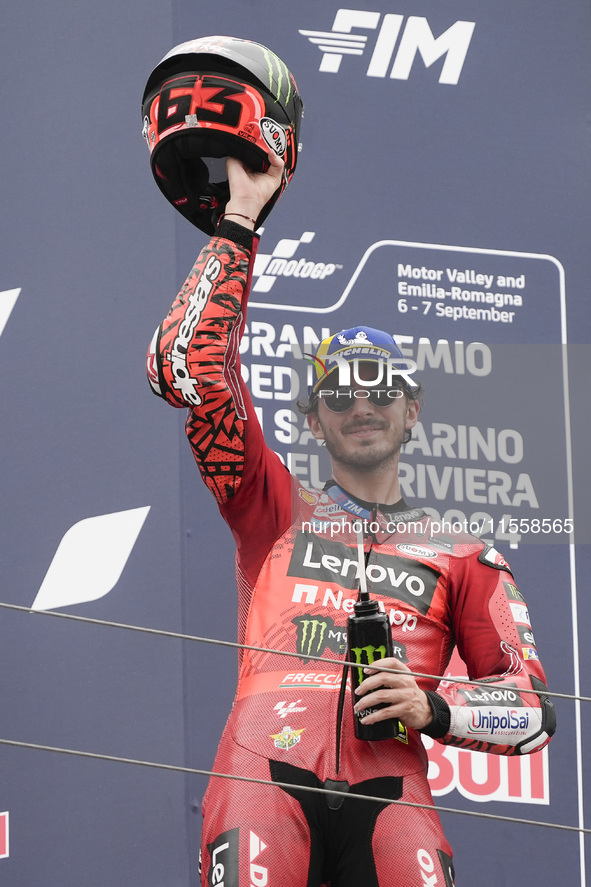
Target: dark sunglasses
[339,400]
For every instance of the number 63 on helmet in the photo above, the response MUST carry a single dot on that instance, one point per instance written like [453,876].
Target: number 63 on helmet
[212,98]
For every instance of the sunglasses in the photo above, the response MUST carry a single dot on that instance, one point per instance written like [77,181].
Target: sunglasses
[339,400]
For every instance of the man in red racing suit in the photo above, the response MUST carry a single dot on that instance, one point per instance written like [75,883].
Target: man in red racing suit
[290,722]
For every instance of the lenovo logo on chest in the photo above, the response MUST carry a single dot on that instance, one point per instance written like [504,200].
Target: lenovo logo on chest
[387,575]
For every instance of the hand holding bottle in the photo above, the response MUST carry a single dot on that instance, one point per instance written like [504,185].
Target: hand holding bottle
[400,695]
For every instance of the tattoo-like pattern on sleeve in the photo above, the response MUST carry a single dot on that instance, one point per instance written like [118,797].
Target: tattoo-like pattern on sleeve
[199,363]
[216,435]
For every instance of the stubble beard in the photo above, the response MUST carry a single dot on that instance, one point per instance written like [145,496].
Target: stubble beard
[367,457]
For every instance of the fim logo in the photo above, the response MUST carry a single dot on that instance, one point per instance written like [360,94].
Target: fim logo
[287,738]
[416,37]
[315,634]
[281,263]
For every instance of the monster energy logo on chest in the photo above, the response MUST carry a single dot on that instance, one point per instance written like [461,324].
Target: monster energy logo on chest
[315,633]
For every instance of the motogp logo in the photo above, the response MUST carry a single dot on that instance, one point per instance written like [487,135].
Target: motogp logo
[283,709]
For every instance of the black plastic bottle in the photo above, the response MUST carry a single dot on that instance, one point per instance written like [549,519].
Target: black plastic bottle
[369,637]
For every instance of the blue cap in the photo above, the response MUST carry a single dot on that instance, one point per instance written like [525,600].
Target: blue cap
[361,343]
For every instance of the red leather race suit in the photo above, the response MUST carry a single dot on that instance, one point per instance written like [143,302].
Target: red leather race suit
[296,580]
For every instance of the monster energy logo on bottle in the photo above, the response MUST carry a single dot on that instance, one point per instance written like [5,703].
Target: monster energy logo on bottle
[366,656]
[316,633]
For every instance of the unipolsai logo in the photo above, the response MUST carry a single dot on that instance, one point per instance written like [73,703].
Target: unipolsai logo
[397,44]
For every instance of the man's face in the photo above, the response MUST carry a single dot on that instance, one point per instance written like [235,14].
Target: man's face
[366,436]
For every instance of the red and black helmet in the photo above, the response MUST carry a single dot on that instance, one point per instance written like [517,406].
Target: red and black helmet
[212,98]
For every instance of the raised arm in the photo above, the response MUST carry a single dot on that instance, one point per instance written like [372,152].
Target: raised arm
[193,362]
[193,357]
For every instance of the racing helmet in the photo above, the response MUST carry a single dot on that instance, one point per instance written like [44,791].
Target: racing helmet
[209,99]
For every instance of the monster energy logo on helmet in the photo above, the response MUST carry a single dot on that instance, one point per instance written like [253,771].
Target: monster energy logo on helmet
[283,71]
[316,633]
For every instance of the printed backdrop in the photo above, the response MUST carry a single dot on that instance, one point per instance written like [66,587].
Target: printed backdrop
[442,193]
